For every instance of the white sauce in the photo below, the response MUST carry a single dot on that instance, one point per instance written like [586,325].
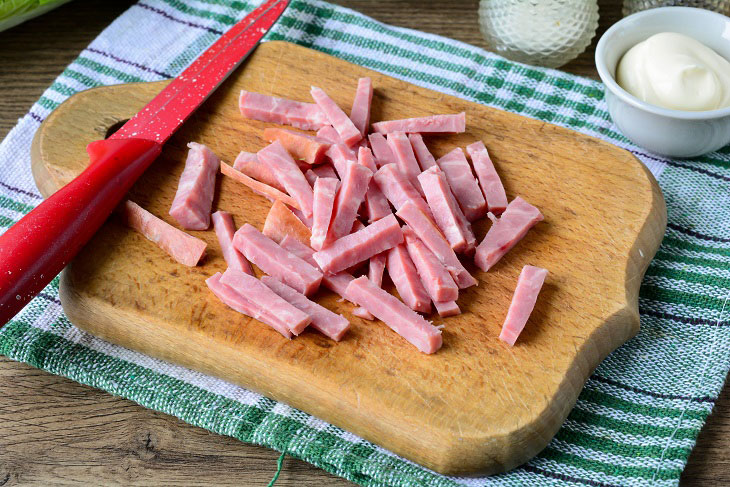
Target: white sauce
[674,71]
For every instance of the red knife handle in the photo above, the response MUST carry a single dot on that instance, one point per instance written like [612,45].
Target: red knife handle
[38,247]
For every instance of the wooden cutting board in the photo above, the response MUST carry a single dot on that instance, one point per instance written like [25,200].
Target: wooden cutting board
[476,406]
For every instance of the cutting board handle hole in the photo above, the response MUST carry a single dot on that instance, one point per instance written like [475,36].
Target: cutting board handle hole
[116,126]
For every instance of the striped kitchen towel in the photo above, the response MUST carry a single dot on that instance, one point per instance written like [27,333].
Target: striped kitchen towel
[639,414]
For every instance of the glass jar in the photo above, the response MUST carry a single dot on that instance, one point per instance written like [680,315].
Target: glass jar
[542,32]
[633,6]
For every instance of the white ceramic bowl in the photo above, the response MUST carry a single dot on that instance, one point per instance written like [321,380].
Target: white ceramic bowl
[667,132]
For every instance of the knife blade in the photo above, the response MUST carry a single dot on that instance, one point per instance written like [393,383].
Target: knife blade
[38,247]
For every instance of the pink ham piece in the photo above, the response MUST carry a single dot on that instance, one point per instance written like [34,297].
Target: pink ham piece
[399,317]
[434,124]
[396,187]
[381,150]
[184,248]
[488,177]
[463,184]
[224,230]
[504,234]
[359,246]
[446,211]
[340,155]
[329,134]
[236,301]
[523,302]
[258,187]
[265,301]
[349,198]
[281,221]
[376,204]
[375,274]
[360,113]
[424,156]
[275,261]
[437,281]
[405,158]
[336,282]
[194,197]
[325,190]
[349,134]
[248,164]
[328,323]
[289,175]
[325,171]
[449,308]
[430,235]
[405,277]
[302,146]
[305,116]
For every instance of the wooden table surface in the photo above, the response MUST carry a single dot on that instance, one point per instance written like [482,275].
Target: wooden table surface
[55,431]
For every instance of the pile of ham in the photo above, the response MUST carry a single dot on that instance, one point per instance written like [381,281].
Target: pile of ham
[344,197]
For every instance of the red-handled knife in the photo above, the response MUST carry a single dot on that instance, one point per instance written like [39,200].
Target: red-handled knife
[38,247]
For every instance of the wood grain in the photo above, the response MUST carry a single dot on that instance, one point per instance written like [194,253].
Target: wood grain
[32,55]
[436,410]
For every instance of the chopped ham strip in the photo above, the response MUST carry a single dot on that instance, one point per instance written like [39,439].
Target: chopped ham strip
[182,247]
[349,198]
[504,234]
[329,134]
[437,281]
[337,118]
[446,211]
[376,205]
[302,146]
[336,282]
[399,317]
[360,113]
[449,308]
[258,187]
[236,301]
[405,158]
[396,187]
[381,150]
[424,156]
[405,277]
[325,190]
[280,222]
[340,155]
[262,298]
[194,196]
[324,171]
[488,177]
[376,269]
[463,184]
[359,246]
[305,116]
[523,302]
[430,235]
[455,123]
[288,174]
[224,230]
[324,320]
[275,261]
[248,164]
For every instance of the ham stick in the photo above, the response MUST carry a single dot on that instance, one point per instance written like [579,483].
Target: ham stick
[504,234]
[396,187]
[360,113]
[325,191]
[324,320]
[405,158]
[236,301]
[350,196]
[434,124]
[184,248]
[305,116]
[449,308]
[288,174]
[258,187]
[381,150]
[523,302]
[463,184]
[263,299]
[424,156]
[224,230]
[399,317]
[337,118]
[437,281]
[194,196]
[376,204]
[488,177]
[403,273]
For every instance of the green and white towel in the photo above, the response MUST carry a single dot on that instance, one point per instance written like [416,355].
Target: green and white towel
[639,414]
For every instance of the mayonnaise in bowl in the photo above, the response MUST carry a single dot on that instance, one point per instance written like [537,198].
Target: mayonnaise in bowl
[675,71]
